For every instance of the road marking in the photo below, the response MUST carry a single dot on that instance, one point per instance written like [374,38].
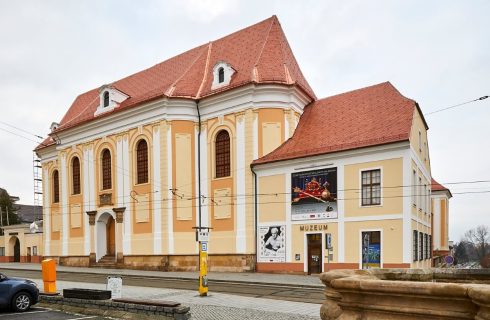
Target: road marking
[28,312]
[83,318]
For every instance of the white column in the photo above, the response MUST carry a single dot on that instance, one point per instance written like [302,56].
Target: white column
[170,213]
[47,213]
[407,209]
[241,241]
[65,210]
[157,194]
[341,213]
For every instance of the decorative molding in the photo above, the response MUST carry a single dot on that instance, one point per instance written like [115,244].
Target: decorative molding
[91,217]
[105,199]
[119,214]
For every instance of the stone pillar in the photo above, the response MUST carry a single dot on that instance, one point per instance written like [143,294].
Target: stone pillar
[91,222]
[119,233]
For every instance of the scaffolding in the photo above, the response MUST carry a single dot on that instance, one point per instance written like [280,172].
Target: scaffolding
[38,183]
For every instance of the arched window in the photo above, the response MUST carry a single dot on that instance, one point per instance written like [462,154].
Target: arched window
[56,187]
[106,170]
[221,75]
[222,152]
[106,99]
[142,161]
[75,174]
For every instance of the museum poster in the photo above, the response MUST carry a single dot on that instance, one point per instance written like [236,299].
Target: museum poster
[272,244]
[314,194]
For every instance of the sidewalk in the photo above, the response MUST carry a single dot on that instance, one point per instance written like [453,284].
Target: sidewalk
[263,278]
[216,306]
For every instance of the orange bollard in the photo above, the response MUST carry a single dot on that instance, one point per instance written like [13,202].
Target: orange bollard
[49,275]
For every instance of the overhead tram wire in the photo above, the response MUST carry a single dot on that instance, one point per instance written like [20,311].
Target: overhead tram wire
[278,202]
[456,105]
[245,195]
[20,129]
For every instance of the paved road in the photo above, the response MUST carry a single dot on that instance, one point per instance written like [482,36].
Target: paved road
[287,292]
[37,313]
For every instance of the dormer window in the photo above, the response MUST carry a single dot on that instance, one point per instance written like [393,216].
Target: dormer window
[106,99]
[110,98]
[222,73]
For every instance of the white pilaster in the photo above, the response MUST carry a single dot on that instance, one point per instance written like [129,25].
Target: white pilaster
[157,194]
[341,213]
[204,178]
[65,211]
[255,136]
[289,227]
[123,153]
[170,211]
[47,213]
[88,185]
[241,241]
[407,209]
[286,126]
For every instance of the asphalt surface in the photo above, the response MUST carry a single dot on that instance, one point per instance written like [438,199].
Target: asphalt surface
[37,313]
[288,292]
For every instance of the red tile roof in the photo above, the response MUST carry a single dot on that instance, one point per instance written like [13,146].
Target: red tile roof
[365,117]
[258,54]
[436,186]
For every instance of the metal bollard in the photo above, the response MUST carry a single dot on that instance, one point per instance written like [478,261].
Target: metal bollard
[49,275]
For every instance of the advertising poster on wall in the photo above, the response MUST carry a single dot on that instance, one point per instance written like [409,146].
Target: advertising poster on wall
[371,250]
[272,244]
[314,194]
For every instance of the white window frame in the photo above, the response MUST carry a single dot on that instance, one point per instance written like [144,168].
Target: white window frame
[380,186]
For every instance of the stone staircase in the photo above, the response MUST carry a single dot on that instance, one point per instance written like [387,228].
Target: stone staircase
[107,261]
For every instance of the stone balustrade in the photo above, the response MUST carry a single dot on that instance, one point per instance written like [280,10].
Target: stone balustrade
[406,294]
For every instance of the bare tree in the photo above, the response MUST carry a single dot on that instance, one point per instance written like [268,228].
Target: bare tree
[479,237]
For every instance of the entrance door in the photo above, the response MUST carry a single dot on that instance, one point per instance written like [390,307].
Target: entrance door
[111,237]
[28,254]
[17,250]
[371,249]
[314,253]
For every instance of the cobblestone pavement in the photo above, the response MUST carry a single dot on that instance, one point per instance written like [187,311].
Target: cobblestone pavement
[215,305]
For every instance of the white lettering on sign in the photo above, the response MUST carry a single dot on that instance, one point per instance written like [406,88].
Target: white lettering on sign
[114,284]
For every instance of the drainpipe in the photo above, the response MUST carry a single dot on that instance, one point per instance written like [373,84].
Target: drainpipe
[255,213]
[199,162]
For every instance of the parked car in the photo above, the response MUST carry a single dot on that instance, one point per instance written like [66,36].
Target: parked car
[18,294]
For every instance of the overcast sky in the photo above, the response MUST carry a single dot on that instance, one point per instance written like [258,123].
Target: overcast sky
[435,52]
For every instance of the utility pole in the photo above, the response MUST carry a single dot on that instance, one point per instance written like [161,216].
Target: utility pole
[8,223]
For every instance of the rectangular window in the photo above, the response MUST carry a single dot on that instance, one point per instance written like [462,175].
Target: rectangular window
[2,251]
[34,250]
[371,187]
[421,246]
[427,246]
[415,246]
[430,246]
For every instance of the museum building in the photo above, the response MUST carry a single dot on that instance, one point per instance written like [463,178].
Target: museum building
[229,135]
